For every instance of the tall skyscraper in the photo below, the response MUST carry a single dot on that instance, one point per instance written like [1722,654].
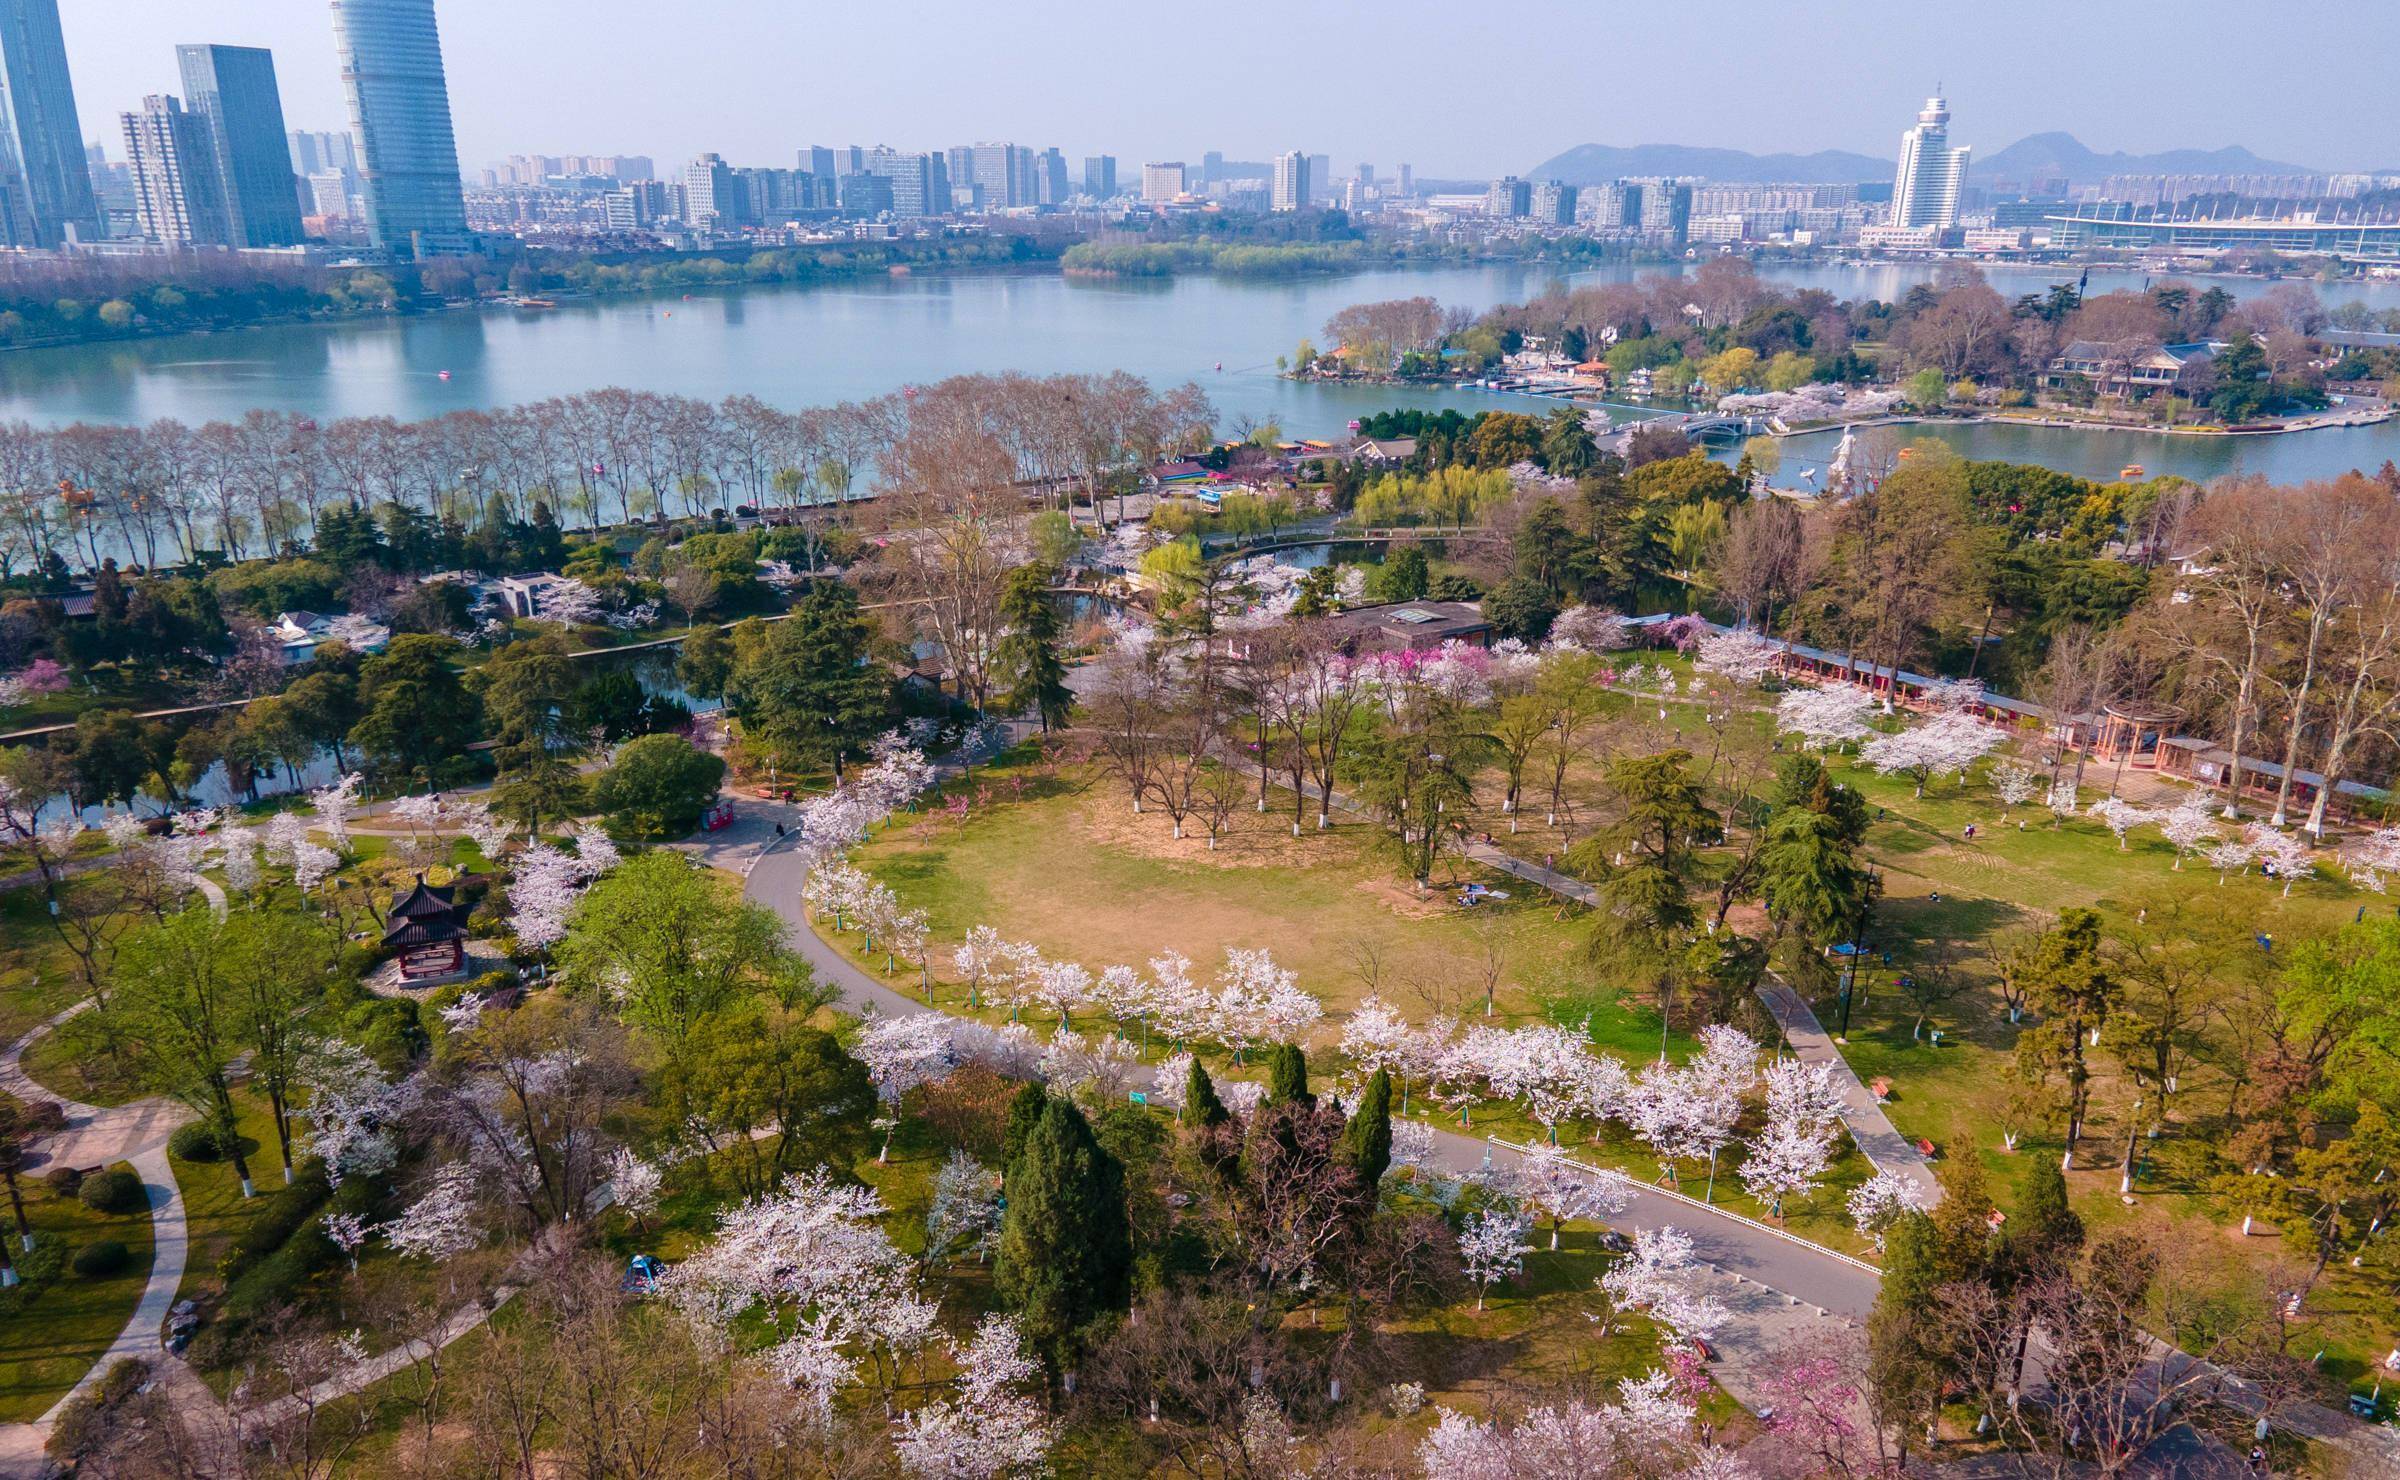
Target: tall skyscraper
[1925,192]
[391,59]
[1508,196]
[1100,176]
[45,186]
[312,152]
[824,191]
[920,182]
[1291,181]
[1050,178]
[711,196]
[231,89]
[1163,180]
[178,190]
[1001,175]
[1408,183]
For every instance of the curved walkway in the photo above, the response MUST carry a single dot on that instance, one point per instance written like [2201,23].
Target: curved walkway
[96,1135]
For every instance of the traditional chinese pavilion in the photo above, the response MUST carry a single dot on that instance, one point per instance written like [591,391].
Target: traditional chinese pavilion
[428,929]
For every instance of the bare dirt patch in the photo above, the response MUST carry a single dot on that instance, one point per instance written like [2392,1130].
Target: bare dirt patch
[1249,840]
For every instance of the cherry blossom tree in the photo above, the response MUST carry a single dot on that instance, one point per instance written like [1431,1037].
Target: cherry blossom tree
[2061,800]
[977,955]
[1594,628]
[2120,817]
[1374,1037]
[1792,1153]
[237,849]
[1663,1277]
[1072,1061]
[903,1052]
[334,806]
[1492,1248]
[994,1428]
[2190,825]
[964,1213]
[1565,1190]
[1061,987]
[2285,855]
[2016,784]
[812,1262]
[634,1184]
[348,1232]
[1826,717]
[1880,1201]
[1689,1111]
[542,889]
[2228,856]
[2370,859]
[1946,743]
[1650,1430]
[312,865]
[441,1224]
[571,603]
[1740,655]
[349,1109]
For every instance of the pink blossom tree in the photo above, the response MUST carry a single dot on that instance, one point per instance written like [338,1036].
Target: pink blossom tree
[1741,655]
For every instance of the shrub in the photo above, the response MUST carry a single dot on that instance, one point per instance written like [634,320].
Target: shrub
[83,1425]
[114,1191]
[273,1284]
[63,1181]
[99,1261]
[197,1141]
[273,1225]
[967,1109]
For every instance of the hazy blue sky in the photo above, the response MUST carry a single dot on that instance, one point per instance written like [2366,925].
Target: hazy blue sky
[1453,88]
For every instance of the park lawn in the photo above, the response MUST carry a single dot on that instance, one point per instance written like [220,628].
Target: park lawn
[38,978]
[1065,864]
[48,1344]
[214,1209]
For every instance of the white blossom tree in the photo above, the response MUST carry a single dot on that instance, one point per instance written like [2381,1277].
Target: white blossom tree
[1567,1191]
[2190,825]
[964,1213]
[1792,1152]
[1740,655]
[2371,859]
[1826,717]
[334,806]
[2016,784]
[2286,854]
[1881,1201]
[2120,817]
[1947,743]
[814,1263]
[1492,1248]
[994,1428]
[349,1109]
[441,1224]
[1650,1431]
[979,954]
[2228,856]
[2061,799]
[1663,1277]
[348,1232]
[634,1184]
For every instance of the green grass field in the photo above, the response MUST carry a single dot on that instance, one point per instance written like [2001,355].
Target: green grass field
[64,1323]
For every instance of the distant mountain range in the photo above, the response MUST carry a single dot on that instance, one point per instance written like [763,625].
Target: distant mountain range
[2051,156]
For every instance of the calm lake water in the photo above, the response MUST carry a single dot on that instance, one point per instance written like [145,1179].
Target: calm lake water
[801,346]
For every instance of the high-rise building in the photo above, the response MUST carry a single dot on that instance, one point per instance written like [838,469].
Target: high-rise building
[1292,177]
[232,90]
[1926,190]
[1320,168]
[45,185]
[865,195]
[1508,196]
[329,195]
[312,152]
[824,193]
[1408,183]
[999,176]
[1100,176]
[711,196]
[1050,178]
[178,191]
[1212,167]
[391,60]
[1553,204]
[1163,180]
[920,182]
[1666,211]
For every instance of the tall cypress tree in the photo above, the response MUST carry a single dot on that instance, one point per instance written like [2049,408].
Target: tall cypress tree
[1287,1076]
[2046,1222]
[1032,670]
[1024,1113]
[1904,1357]
[1201,1107]
[1367,1139]
[1962,1221]
[1066,1250]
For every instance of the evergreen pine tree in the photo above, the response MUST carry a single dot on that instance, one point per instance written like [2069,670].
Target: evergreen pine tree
[1367,1139]
[1201,1107]
[2047,1229]
[1024,1113]
[1066,1250]
[1962,1221]
[1032,672]
[1904,1361]
[1287,1076]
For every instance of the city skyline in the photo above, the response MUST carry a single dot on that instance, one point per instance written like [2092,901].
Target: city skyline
[542,76]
